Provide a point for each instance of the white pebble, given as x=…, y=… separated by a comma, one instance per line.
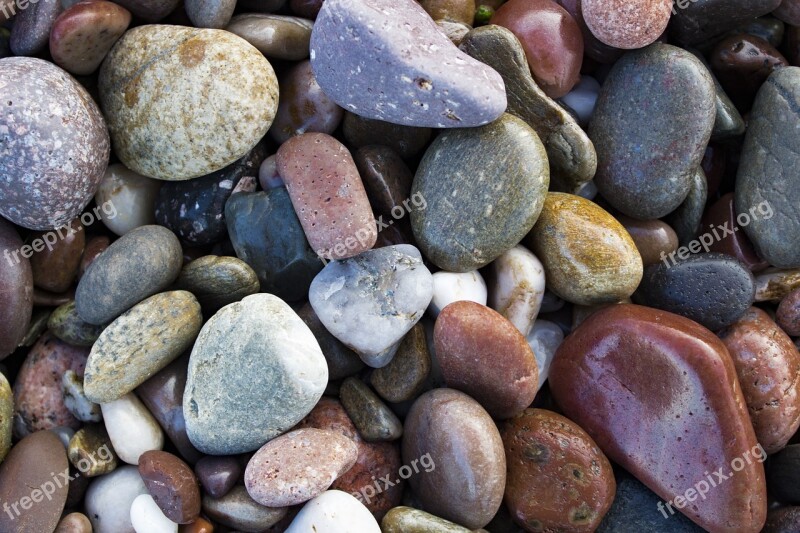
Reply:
x=109, y=499
x=544, y=339
x=131, y=427
x=583, y=97
x=334, y=511
x=449, y=287
x=147, y=517
x=517, y=287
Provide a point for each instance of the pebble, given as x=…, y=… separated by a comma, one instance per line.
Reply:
x=455, y=31
x=768, y=365
x=720, y=217
x=728, y=121
x=140, y=264
x=228, y=411
x=6, y=416
x=663, y=439
x=16, y=292
x=334, y=511
x=59, y=141
x=544, y=339
x=217, y=281
x=466, y=225
x=788, y=11
x=386, y=177
x=275, y=36
x=25, y=475
x=95, y=245
x=172, y=485
x=239, y=511
x=558, y=479
x=782, y=520
x=373, y=418
x=38, y=402
x=788, y=314
x=130, y=196
x=772, y=119
x=146, y=517
x=462, y=11
x=463, y=443
x=150, y=10
x=74, y=523
x=516, y=287
x=712, y=289
x=700, y=21
x=131, y=428
x=217, y=475
x=635, y=173
x=774, y=284
x=624, y=24
x=139, y=343
x=587, y=255
x=65, y=324
x=341, y=360
x=408, y=141
x=409, y=520
x=215, y=14
x=654, y=239
x=56, y=267
x=686, y=219
x=371, y=301
x=408, y=72
x=91, y=452
x=75, y=399
x=449, y=287
x=109, y=499
x=31, y=29
x=205, y=134
x=405, y=375
x=551, y=40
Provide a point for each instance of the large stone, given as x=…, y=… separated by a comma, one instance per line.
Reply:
x=16, y=291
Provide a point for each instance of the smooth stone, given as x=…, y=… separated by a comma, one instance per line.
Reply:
x=64, y=434
x=558, y=479
x=465, y=445
x=59, y=143
x=405, y=375
x=75, y=399
x=132, y=196
x=782, y=520
x=582, y=99
x=769, y=28
x=239, y=511
x=109, y=499
x=218, y=281
x=306, y=8
x=65, y=324
x=405, y=71
x=469, y=223
x=42, y=298
x=409, y=520
x=91, y=452
x=95, y=245
x=139, y=343
x=516, y=287
x=449, y=287
x=268, y=176
x=146, y=517
x=610, y=360
x=214, y=14
x=163, y=396
x=38, y=402
x=143, y=86
x=172, y=485
x=6, y=416
x=150, y=10
x=373, y=418
x=298, y=466
x=782, y=473
x=275, y=36
x=16, y=292
x=131, y=428
x=688, y=216
x=587, y=255
x=593, y=48
x=788, y=314
x=773, y=284
x=544, y=339
x=719, y=219
x=408, y=141
x=230, y=412
x=141, y=263
x=341, y=360
x=303, y=107
x=654, y=239
x=453, y=10
x=703, y=19
x=788, y=11
x=624, y=24
x=218, y=475
x=646, y=155
x=551, y=39
x=83, y=34
x=24, y=472
x=455, y=31
x=335, y=213
x=56, y=267
x=386, y=177
x=334, y=511
x=36, y=328
x=767, y=172
x=32, y=25
x=728, y=121
x=369, y=302
x=74, y=523
x=267, y=235
x=768, y=365
x=569, y=151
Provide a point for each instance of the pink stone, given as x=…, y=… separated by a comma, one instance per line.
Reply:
x=627, y=24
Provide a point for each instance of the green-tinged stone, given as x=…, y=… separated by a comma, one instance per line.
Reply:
x=91, y=452
x=404, y=377
x=66, y=324
x=409, y=520
x=6, y=416
x=217, y=281
x=373, y=418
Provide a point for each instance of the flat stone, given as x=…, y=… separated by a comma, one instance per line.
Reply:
x=334, y=510
x=373, y=418
x=624, y=24
x=172, y=485
x=275, y=36
x=228, y=411
x=16, y=292
x=408, y=72
x=469, y=223
x=75, y=399
x=210, y=13
x=218, y=474
x=238, y=510
x=409, y=520
x=109, y=499
x=404, y=377
x=131, y=428
x=218, y=281
x=516, y=287
x=91, y=452
x=130, y=198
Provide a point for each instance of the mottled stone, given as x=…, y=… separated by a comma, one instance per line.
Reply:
x=373, y=418
x=570, y=153
x=218, y=475
x=143, y=86
x=341, y=360
x=686, y=218
x=409, y=520
x=109, y=499
x=55, y=265
x=702, y=19
x=625, y=24
x=404, y=70
x=720, y=221
x=407, y=141
x=239, y=511
x=16, y=291
x=210, y=13
x=55, y=147
x=172, y=485
x=774, y=284
x=131, y=428
x=143, y=262
x=275, y=36
x=453, y=10
x=217, y=281
x=130, y=197
x=404, y=377
x=75, y=399
x=90, y=451
x=333, y=511
x=32, y=25
x=516, y=287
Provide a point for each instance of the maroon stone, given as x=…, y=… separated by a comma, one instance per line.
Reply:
x=172, y=485
x=719, y=220
x=788, y=314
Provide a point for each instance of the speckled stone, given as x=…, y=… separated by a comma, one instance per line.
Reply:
x=217, y=281
x=592, y=46
x=75, y=399
x=6, y=416
x=404, y=377
x=275, y=36
x=342, y=361
x=126, y=199
x=32, y=25
x=172, y=485
x=570, y=153
x=373, y=418
x=703, y=19
x=469, y=223
x=625, y=24
x=405, y=72
x=409, y=520
x=407, y=141
x=239, y=511
x=16, y=291
x=774, y=284
x=55, y=146
x=210, y=13
x=143, y=86
x=650, y=128
x=228, y=411
x=141, y=342
x=141, y=263
x=90, y=451
x=767, y=175
x=587, y=255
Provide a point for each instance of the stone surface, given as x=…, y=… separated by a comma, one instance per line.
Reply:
x=373, y=418
x=58, y=140
x=342, y=361
x=109, y=499
x=409, y=520
x=646, y=153
x=587, y=255
x=172, y=485
x=95, y=245
x=32, y=26
x=74, y=523
x=703, y=19
x=140, y=264
x=16, y=291
x=407, y=141
x=131, y=195
x=544, y=339
x=404, y=377
x=654, y=239
x=334, y=511
x=570, y=153
x=218, y=475
x=217, y=281
x=275, y=36
x=75, y=399
x=782, y=472
x=665, y=431
x=452, y=10
x=210, y=13
x=143, y=86
x=788, y=313
x=146, y=517
x=516, y=287
x=6, y=416
x=625, y=24
x=720, y=220
x=386, y=178
x=775, y=284
x=469, y=223
x=767, y=175
x=150, y=10
x=686, y=219
x=782, y=520
x=228, y=411
x=56, y=266
x=404, y=70
x=131, y=428
x=90, y=451
x=449, y=287
x=239, y=511
x=369, y=302
x=461, y=439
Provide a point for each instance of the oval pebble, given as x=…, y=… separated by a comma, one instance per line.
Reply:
x=334, y=511
x=172, y=485
x=146, y=517
x=131, y=428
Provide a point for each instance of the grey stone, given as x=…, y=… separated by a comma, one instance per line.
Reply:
x=75, y=399
x=686, y=219
x=700, y=20
x=239, y=511
x=373, y=418
x=31, y=30
x=210, y=13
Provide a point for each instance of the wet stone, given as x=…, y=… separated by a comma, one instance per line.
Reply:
x=75, y=399
x=404, y=377
x=275, y=36
x=218, y=475
x=90, y=451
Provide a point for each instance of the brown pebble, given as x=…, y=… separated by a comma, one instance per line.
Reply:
x=788, y=314
x=653, y=238
x=172, y=485
x=74, y=523
x=56, y=265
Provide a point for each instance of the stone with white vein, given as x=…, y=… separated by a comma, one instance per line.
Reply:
x=516, y=287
